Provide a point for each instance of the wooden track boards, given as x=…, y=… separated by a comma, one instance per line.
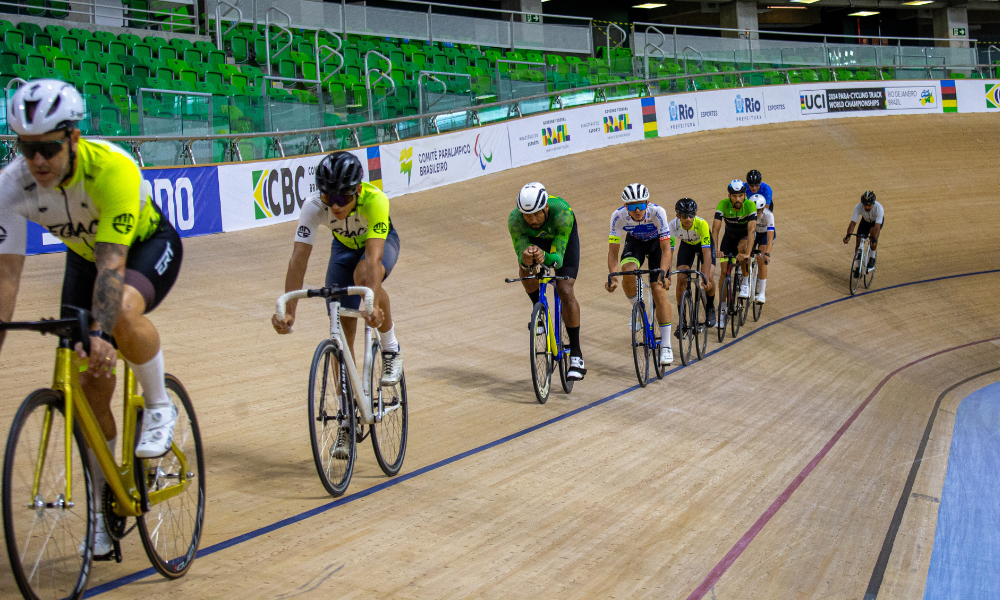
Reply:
x=642, y=495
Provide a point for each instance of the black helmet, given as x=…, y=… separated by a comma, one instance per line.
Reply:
x=753, y=177
x=339, y=173
x=686, y=206
x=868, y=197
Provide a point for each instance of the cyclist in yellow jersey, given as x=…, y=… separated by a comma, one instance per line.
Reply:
x=123, y=255
x=691, y=235
x=364, y=251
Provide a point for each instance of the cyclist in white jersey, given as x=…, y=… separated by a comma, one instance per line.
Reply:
x=764, y=241
x=869, y=216
x=647, y=237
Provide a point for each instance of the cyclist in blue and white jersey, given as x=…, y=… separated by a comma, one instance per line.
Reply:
x=756, y=185
x=763, y=242
x=647, y=237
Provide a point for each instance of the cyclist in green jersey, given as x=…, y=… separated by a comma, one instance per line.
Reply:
x=541, y=221
x=740, y=217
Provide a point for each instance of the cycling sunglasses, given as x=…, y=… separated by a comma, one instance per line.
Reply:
x=46, y=149
x=339, y=199
x=632, y=206
x=686, y=215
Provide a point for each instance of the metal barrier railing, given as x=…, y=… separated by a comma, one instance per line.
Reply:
x=232, y=140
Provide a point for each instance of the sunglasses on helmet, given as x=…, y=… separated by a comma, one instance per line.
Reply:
x=339, y=199
x=46, y=149
x=633, y=206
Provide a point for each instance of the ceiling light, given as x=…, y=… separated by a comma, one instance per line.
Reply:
x=795, y=7
x=649, y=5
x=805, y=1
x=918, y=2
x=864, y=13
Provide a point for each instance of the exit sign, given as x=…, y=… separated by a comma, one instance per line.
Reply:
x=957, y=31
x=538, y=19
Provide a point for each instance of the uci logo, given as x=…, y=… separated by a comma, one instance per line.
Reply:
x=380, y=228
x=680, y=112
x=123, y=223
x=812, y=101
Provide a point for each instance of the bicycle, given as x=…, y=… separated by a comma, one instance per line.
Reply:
x=642, y=322
x=690, y=325
x=44, y=526
x=758, y=307
x=334, y=403
x=545, y=348
x=861, y=261
x=729, y=289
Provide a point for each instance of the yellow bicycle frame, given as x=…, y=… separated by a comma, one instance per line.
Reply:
x=550, y=341
x=121, y=479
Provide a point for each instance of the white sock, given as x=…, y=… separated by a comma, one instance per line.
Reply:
x=633, y=299
x=873, y=254
x=97, y=476
x=150, y=377
x=388, y=340
x=761, y=284
x=665, y=332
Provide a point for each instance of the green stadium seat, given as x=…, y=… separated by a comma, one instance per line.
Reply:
x=142, y=50
x=55, y=58
x=13, y=36
x=129, y=39
x=240, y=48
x=51, y=73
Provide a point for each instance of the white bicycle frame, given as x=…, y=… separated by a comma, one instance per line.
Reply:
x=364, y=403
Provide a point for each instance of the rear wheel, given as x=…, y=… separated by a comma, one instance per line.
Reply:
x=855, y=275
x=567, y=384
x=687, y=327
x=42, y=527
x=700, y=326
x=541, y=360
x=734, y=301
x=331, y=406
x=389, y=432
x=640, y=349
x=171, y=530
x=869, y=274
x=656, y=343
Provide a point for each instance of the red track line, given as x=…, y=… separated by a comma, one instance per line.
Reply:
x=727, y=561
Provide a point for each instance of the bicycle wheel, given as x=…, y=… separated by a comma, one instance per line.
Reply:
x=686, y=327
x=43, y=529
x=700, y=327
x=869, y=273
x=541, y=360
x=855, y=275
x=171, y=530
x=734, y=302
x=640, y=349
x=567, y=384
x=389, y=432
x=722, y=313
x=331, y=403
x=752, y=281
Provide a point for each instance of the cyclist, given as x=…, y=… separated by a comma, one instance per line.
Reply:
x=542, y=221
x=647, y=237
x=123, y=256
x=756, y=185
x=363, y=252
x=872, y=220
x=740, y=217
x=763, y=242
x=695, y=236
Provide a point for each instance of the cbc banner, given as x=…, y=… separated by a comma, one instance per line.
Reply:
x=429, y=162
x=255, y=194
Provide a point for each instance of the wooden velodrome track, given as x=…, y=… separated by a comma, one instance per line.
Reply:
x=651, y=493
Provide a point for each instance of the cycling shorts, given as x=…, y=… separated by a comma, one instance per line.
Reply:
x=731, y=242
x=151, y=267
x=865, y=227
x=761, y=239
x=571, y=258
x=637, y=251
x=344, y=260
x=688, y=254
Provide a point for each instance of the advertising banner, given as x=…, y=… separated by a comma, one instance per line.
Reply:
x=429, y=162
x=254, y=194
x=863, y=98
x=609, y=124
x=187, y=197
x=975, y=95
x=534, y=139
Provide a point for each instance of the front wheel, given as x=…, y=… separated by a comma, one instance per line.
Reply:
x=42, y=527
x=722, y=312
x=331, y=408
x=640, y=349
x=390, y=430
x=541, y=359
x=171, y=530
x=735, y=308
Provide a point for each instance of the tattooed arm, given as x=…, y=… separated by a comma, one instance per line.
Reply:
x=10, y=279
x=107, y=303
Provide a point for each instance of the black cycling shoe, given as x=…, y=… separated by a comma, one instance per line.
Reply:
x=710, y=317
x=871, y=264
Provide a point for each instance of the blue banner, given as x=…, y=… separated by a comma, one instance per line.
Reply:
x=188, y=197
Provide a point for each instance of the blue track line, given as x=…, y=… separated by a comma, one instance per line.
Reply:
x=122, y=581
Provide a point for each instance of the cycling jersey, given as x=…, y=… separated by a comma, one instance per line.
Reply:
x=765, y=190
x=875, y=215
x=653, y=225
x=765, y=222
x=369, y=219
x=102, y=202
x=698, y=235
x=556, y=228
x=734, y=218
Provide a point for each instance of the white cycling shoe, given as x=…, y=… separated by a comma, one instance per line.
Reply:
x=576, y=370
x=745, y=290
x=392, y=367
x=157, y=432
x=341, y=450
x=760, y=298
x=666, y=355
x=103, y=544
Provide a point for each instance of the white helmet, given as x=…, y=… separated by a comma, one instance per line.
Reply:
x=635, y=192
x=44, y=105
x=759, y=200
x=532, y=198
